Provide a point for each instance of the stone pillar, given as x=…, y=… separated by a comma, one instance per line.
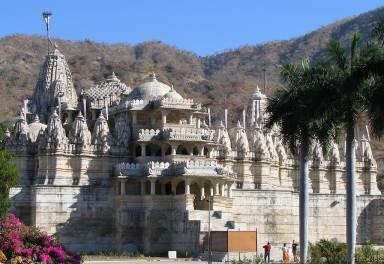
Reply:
x=142, y=145
x=211, y=193
x=173, y=188
x=201, y=150
x=153, y=186
x=198, y=122
x=187, y=186
x=190, y=119
x=142, y=187
x=217, y=189
x=122, y=187
x=174, y=148
x=202, y=193
x=163, y=117
x=229, y=190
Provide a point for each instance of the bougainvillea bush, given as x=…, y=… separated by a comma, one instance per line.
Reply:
x=25, y=244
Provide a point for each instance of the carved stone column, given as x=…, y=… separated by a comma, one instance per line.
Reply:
x=164, y=117
x=229, y=190
x=142, y=145
x=202, y=193
x=190, y=119
x=153, y=186
x=174, y=148
x=142, y=187
x=217, y=188
x=122, y=185
x=187, y=186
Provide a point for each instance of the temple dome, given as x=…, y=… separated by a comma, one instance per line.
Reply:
x=173, y=95
x=151, y=90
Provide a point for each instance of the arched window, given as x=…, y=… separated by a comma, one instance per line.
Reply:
x=182, y=150
x=195, y=151
x=180, y=187
x=138, y=151
x=168, y=188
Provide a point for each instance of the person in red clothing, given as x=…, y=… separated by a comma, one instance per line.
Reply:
x=267, y=251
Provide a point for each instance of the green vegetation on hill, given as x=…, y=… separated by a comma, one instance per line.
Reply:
x=224, y=78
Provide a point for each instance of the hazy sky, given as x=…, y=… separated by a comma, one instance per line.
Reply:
x=201, y=26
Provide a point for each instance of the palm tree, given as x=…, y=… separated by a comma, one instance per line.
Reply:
x=357, y=86
x=293, y=109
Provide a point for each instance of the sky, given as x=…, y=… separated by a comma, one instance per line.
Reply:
x=203, y=27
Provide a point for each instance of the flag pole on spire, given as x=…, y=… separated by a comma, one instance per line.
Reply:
x=47, y=15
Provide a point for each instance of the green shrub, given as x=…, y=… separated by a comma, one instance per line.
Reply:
x=328, y=252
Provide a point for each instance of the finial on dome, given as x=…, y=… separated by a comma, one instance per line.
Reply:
x=257, y=89
x=239, y=124
x=153, y=75
x=172, y=89
x=79, y=114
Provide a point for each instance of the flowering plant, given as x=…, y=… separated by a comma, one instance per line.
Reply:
x=18, y=241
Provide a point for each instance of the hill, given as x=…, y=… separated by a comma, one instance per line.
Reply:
x=221, y=80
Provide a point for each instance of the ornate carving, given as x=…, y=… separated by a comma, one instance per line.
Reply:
x=79, y=133
x=101, y=136
x=260, y=146
x=122, y=133
x=54, y=136
x=334, y=153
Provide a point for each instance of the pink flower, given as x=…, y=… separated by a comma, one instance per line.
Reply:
x=45, y=258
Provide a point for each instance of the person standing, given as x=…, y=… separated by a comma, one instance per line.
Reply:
x=294, y=250
x=267, y=251
x=285, y=253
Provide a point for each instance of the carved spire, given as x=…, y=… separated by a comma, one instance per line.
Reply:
x=79, y=133
x=334, y=153
x=54, y=136
x=54, y=85
x=260, y=146
x=20, y=131
x=101, y=136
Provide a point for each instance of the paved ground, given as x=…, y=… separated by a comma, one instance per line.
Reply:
x=152, y=261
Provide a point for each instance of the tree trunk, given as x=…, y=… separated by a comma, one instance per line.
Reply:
x=351, y=193
x=304, y=203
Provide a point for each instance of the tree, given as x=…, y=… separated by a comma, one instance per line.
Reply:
x=9, y=176
x=293, y=109
x=356, y=84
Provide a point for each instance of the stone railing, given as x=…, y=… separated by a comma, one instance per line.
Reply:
x=123, y=106
x=182, y=103
x=148, y=134
x=183, y=133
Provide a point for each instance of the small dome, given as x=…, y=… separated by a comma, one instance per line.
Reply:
x=173, y=95
x=151, y=90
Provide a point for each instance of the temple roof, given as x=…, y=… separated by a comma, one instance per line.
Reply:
x=151, y=90
x=111, y=86
x=55, y=80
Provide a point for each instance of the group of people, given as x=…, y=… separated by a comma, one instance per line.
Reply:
x=285, y=250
